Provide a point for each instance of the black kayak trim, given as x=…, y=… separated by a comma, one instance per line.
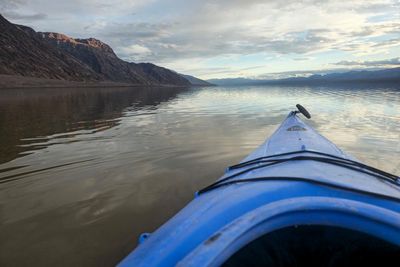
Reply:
x=297, y=179
x=356, y=163
x=334, y=160
x=341, y=163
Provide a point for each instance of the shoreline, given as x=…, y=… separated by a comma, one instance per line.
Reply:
x=24, y=82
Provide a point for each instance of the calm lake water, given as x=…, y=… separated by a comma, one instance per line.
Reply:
x=84, y=171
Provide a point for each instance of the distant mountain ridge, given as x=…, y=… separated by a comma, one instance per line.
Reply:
x=366, y=76
x=57, y=56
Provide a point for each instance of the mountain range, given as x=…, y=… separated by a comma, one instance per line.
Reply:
x=48, y=55
x=361, y=76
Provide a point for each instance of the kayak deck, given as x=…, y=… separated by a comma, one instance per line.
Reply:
x=221, y=221
x=294, y=136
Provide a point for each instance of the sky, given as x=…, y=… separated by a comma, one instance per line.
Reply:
x=229, y=38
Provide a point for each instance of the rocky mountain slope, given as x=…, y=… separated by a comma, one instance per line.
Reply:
x=102, y=59
x=22, y=53
x=57, y=56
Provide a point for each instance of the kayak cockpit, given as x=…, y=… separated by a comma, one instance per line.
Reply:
x=315, y=245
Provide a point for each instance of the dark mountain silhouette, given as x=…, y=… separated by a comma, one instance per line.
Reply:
x=362, y=76
x=49, y=55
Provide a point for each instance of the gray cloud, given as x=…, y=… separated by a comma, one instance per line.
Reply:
x=371, y=63
x=25, y=17
x=206, y=35
x=143, y=31
x=171, y=40
x=8, y=8
x=222, y=70
x=378, y=29
x=375, y=8
x=388, y=43
x=302, y=58
x=10, y=4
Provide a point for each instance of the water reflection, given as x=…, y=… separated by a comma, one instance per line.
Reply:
x=85, y=171
x=31, y=118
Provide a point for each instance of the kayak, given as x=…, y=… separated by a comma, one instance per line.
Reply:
x=297, y=200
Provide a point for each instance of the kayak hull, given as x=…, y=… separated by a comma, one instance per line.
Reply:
x=219, y=222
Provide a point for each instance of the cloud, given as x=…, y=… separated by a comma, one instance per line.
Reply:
x=376, y=7
x=10, y=4
x=142, y=31
x=68, y=14
x=171, y=40
x=377, y=29
x=224, y=28
x=388, y=43
x=223, y=70
x=371, y=63
x=136, y=51
x=303, y=58
x=25, y=17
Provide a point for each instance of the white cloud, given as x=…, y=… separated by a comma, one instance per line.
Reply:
x=134, y=52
